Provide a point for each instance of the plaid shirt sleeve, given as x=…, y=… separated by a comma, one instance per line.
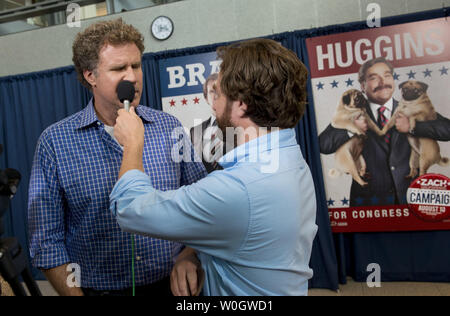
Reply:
x=192, y=168
x=46, y=210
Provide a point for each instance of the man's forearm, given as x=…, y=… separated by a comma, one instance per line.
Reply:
x=331, y=139
x=58, y=278
x=132, y=159
x=438, y=129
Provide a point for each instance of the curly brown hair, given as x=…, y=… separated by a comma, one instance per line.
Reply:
x=87, y=44
x=266, y=76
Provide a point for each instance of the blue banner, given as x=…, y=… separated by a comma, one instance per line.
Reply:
x=185, y=75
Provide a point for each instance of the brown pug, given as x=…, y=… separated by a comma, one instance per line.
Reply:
x=352, y=105
x=349, y=159
x=416, y=105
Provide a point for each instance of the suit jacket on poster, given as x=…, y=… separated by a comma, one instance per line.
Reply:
x=199, y=130
x=387, y=164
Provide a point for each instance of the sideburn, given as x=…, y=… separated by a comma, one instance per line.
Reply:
x=225, y=121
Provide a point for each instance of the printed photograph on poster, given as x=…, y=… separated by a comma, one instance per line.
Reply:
x=187, y=93
x=381, y=99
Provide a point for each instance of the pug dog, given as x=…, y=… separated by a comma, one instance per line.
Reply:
x=349, y=159
x=416, y=105
x=351, y=106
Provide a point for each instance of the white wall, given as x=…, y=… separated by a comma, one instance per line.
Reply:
x=199, y=22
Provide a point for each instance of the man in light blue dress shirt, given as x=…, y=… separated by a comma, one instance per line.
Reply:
x=251, y=225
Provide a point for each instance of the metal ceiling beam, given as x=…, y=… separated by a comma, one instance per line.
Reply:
x=14, y=3
x=40, y=8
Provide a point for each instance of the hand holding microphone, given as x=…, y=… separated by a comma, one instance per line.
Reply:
x=129, y=129
x=125, y=93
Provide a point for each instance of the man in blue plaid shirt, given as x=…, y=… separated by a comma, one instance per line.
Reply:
x=76, y=165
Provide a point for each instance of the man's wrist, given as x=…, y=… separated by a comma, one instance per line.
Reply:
x=186, y=252
x=133, y=145
x=132, y=158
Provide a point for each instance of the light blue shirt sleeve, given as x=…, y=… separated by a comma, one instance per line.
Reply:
x=211, y=215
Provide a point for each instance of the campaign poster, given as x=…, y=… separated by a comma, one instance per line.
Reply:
x=187, y=92
x=381, y=97
x=182, y=80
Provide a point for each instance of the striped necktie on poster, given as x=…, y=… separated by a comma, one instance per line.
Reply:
x=382, y=121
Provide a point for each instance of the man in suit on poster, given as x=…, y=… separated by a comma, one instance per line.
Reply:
x=204, y=136
x=387, y=158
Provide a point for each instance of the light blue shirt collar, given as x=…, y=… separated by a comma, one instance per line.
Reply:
x=257, y=149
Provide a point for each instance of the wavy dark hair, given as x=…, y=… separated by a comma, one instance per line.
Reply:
x=266, y=76
x=87, y=44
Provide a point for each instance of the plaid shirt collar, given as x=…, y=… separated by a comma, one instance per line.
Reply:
x=88, y=115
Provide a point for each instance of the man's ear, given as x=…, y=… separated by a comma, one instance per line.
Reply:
x=363, y=87
x=242, y=108
x=90, y=77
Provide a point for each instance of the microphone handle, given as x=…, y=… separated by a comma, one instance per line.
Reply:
x=126, y=104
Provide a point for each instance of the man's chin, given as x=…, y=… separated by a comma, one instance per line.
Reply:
x=386, y=94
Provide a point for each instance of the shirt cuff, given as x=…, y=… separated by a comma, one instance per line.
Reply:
x=128, y=180
x=51, y=257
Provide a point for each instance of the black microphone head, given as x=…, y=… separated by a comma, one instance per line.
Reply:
x=125, y=91
x=1, y=148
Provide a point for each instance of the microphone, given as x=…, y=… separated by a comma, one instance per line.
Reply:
x=125, y=92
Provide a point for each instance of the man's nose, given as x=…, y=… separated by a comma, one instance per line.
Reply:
x=130, y=75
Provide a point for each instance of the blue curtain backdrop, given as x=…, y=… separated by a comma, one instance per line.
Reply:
x=31, y=102
x=28, y=104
